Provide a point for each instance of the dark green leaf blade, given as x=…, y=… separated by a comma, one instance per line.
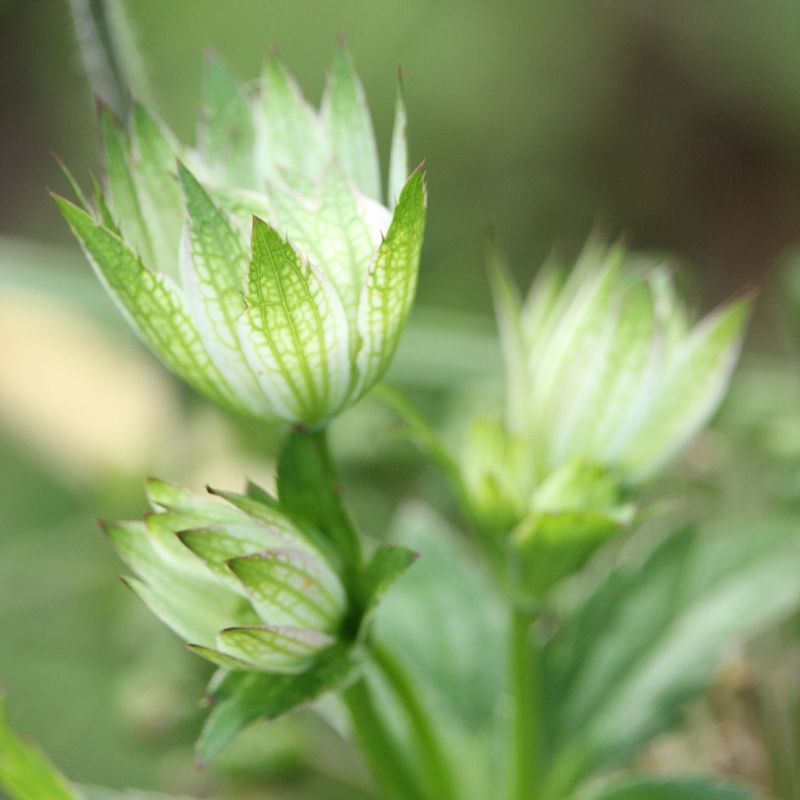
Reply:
x=242, y=697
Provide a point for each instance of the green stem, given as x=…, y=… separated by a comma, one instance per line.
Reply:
x=526, y=694
x=384, y=757
x=432, y=759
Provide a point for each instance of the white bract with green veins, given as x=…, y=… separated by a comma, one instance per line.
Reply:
x=607, y=382
x=239, y=582
x=265, y=266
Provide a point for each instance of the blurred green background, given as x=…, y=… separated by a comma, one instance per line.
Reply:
x=675, y=124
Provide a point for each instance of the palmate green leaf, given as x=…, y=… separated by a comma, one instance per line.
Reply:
x=389, y=288
x=294, y=332
x=649, y=637
x=346, y=116
x=25, y=773
x=151, y=303
x=673, y=789
x=242, y=697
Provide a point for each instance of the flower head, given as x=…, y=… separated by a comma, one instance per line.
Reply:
x=607, y=382
x=238, y=581
x=244, y=583
x=265, y=266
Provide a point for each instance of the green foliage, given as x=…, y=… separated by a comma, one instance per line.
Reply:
x=25, y=773
x=649, y=635
x=686, y=789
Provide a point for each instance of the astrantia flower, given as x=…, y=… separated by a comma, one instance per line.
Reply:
x=238, y=581
x=265, y=267
x=607, y=382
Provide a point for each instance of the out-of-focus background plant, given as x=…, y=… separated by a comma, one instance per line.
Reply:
x=675, y=123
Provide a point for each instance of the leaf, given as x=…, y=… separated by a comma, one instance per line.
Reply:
x=387, y=564
x=554, y=545
x=673, y=789
x=102, y=793
x=344, y=109
x=25, y=773
x=445, y=624
x=649, y=637
x=294, y=332
x=388, y=291
x=242, y=697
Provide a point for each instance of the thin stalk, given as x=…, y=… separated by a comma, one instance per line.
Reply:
x=526, y=771
x=430, y=753
x=385, y=759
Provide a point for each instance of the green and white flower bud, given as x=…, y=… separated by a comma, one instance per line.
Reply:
x=607, y=382
x=238, y=581
x=265, y=267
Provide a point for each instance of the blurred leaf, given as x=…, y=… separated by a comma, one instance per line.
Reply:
x=102, y=793
x=385, y=567
x=25, y=773
x=649, y=637
x=242, y=697
x=675, y=789
x=445, y=624
x=553, y=545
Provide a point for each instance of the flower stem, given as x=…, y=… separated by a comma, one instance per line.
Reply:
x=430, y=753
x=388, y=763
x=526, y=693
